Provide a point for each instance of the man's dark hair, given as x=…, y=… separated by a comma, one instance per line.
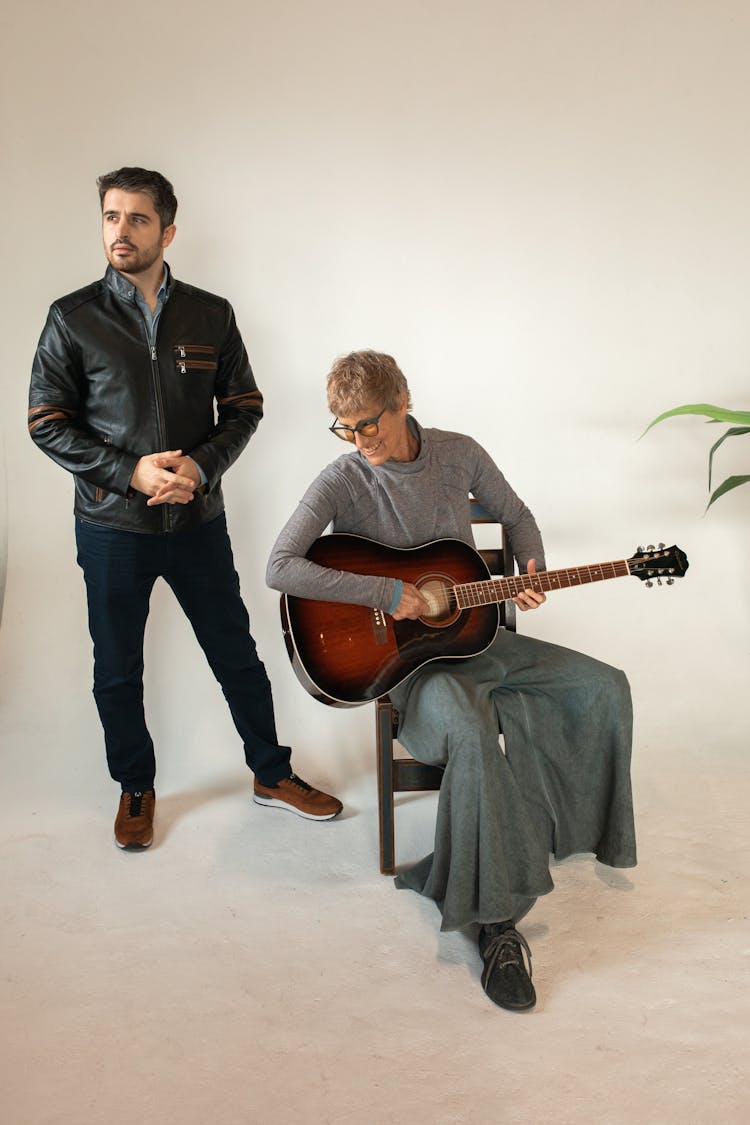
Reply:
x=150, y=183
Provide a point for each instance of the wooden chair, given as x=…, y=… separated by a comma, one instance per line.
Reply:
x=406, y=775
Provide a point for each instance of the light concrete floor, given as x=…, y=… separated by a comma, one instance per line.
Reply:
x=253, y=967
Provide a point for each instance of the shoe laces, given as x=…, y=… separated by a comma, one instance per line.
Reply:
x=300, y=783
x=135, y=807
x=504, y=948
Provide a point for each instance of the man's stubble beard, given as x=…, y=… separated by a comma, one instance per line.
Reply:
x=137, y=262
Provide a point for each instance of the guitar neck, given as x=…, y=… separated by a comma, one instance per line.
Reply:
x=472, y=594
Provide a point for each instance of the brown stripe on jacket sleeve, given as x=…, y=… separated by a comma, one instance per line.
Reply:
x=250, y=398
x=39, y=414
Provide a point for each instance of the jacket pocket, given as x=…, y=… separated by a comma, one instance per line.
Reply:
x=194, y=357
x=100, y=493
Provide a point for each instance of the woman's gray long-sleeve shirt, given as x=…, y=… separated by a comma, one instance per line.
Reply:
x=401, y=504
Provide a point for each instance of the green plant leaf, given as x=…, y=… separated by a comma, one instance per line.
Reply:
x=713, y=413
x=727, y=486
x=733, y=432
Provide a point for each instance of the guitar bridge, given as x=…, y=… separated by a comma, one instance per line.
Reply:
x=379, y=626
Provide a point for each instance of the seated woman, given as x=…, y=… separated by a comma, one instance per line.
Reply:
x=562, y=783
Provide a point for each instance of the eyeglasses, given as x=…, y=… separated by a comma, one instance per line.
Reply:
x=367, y=427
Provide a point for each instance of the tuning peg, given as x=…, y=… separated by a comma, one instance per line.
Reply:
x=662, y=546
x=649, y=583
x=658, y=581
x=670, y=582
x=639, y=550
x=650, y=547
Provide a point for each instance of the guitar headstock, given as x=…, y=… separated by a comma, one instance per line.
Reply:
x=656, y=563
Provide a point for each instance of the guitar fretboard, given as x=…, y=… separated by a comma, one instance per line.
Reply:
x=471, y=594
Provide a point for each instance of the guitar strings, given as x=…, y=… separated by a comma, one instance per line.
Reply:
x=495, y=590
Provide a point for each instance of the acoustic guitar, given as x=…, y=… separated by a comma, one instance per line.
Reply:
x=345, y=655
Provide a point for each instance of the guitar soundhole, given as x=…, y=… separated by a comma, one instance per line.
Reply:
x=438, y=591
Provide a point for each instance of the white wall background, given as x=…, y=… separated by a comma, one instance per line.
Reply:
x=541, y=209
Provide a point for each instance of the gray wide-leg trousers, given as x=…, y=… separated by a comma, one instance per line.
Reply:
x=562, y=785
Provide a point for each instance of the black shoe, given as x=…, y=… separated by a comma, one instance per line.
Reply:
x=506, y=979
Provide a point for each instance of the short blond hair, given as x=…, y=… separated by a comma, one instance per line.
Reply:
x=360, y=379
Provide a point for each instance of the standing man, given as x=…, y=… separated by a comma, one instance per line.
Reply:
x=141, y=387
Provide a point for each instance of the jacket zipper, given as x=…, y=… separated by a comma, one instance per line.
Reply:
x=186, y=357
x=185, y=365
x=166, y=515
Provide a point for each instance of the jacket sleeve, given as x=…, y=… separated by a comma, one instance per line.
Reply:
x=56, y=396
x=239, y=407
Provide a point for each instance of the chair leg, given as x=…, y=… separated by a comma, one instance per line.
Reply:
x=384, y=723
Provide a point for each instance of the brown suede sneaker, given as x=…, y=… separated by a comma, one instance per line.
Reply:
x=297, y=796
x=134, y=824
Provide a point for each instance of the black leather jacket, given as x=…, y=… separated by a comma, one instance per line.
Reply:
x=101, y=397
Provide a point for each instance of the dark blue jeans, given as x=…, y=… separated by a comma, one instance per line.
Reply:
x=120, y=569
